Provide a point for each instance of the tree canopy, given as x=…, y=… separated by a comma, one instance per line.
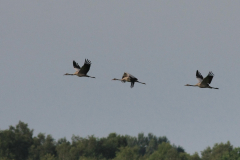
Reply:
x=18, y=143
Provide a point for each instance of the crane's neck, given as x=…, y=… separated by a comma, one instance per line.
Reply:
x=70, y=74
x=191, y=85
x=117, y=79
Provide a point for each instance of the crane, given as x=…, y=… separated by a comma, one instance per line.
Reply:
x=203, y=82
x=81, y=71
x=128, y=78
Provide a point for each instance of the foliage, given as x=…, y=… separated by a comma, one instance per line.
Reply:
x=127, y=153
x=18, y=143
x=221, y=152
x=43, y=146
x=15, y=141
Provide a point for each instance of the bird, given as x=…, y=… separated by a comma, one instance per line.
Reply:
x=203, y=82
x=81, y=71
x=128, y=78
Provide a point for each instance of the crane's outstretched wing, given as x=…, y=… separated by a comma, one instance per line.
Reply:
x=125, y=74
x=125, y=77
x=85, y=68
x=76, y=66
x=132, y=77
x=199, y=76
x=209, y=78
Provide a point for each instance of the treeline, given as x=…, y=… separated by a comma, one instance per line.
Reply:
x=18, y=143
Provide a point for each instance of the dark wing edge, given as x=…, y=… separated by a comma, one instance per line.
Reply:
x=86, y=67
x=199, y=75
x=75, y=65
x=210, y=77
x=133, y=79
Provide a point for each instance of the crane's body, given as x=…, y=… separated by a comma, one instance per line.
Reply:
x=203, y=82
x=128, y=78
x=81, y=71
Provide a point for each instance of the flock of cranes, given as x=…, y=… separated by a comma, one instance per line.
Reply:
x=82, y=72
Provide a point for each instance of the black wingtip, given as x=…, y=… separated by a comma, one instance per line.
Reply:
x=87, y=61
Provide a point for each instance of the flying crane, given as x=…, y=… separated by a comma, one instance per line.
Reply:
x=203, y=82
x=128, y=78
x=81, y=71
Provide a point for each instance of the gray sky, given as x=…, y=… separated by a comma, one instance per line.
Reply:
x=162, y=43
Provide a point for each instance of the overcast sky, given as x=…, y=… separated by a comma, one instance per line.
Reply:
x=162, y=43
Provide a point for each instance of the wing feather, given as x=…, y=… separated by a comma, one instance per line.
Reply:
x=209, y=78
x=86, y=67
x=199, y=76
x=76, y=66
x=132, y=77
x=125, y=74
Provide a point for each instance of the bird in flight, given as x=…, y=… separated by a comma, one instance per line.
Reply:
x=128, y=78
x=203, y=82
x=81, y=71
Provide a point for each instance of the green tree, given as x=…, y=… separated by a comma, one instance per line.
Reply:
x=195, y=156
x=206, y=154
x=63, y=149
x=142, y=143
x=84, y=147
x=218, y=152
x=166, y=151
x=48, y=157
x=109, y=146
x=235, y=154
x=127, y=153
x=146, y=144
x=15, y=142
x=161, y=152
x=131, y=141
x=42, y=146
x=88, y=158
x=221, y=149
